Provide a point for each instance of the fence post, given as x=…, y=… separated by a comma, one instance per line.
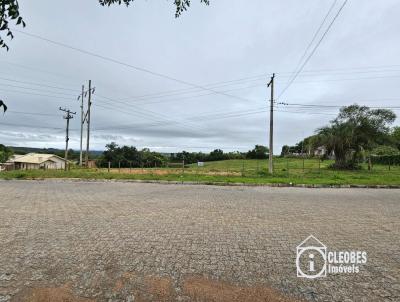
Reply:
x=130, y=167
x=319, y=165
x=369, y=163
x=389, y=164
x=183, y=166
x=303, y=164
x=287, y=167
x=119, y=166
x=242, y=168
x=109, y=164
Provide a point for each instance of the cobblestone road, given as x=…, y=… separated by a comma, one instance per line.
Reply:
x=103, y=241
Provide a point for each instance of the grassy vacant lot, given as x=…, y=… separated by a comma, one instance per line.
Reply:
x=235, y=171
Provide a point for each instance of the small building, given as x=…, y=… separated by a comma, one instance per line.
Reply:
x=320, y=151
x=33, y=161
x=91, y=164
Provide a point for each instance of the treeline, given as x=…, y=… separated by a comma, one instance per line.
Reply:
x=129, y=156
x=358, y=134
x=393, y=160
x=259, y=152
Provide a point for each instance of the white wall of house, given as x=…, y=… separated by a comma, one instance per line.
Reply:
x=51, y=164
x=55, y=163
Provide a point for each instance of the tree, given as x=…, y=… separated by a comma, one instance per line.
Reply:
x=285, y=150
x=215, y=155
x=129, y=156
x=259, y=152
x=385, y=151
x=3, y=105
x=395, y=136
x=181, y=5
x=9, y=11
x=355, y=130
x=5, y=153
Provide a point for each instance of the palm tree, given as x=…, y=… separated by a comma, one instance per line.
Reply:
x=356, y=129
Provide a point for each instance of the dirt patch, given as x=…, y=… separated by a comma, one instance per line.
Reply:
x=205, y=290
x=56, y=294
x=171, y=172
x=146, y=171
x=160, y=288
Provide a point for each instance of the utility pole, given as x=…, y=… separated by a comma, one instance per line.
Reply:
x=68, y=116
x=81, y=97
x=271, y=127
x=87, y=118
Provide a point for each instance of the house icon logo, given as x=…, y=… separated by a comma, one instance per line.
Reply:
x=311, y=260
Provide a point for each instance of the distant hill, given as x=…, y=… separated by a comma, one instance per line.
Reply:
x=60, y=152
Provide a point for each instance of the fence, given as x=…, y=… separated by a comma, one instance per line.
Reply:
x=283, y=167
x=390, y=160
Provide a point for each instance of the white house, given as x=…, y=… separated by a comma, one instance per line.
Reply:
x=36, y=161
x=320, y=151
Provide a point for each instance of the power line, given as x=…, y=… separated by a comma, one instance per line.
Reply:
x=31, y=113
x=34, y=89
x=36, y=94
x=157, y=74
x=66, y=98
x=333, y=106
x=348, y=79
x=314, y=49
x=30, y=126
x=145, y=111
x=232, y=82
x=37, y=84
x=316, y=34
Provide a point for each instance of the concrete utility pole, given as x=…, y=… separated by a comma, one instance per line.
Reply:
x=271, y=127
x=81, y=98
x=87, y=118
x=67, y=117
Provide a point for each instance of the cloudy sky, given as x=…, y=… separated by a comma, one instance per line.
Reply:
x=197, y=82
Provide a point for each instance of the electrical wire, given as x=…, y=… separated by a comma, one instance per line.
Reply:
x=314, y=50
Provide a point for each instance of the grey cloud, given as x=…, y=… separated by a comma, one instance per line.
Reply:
x=226, y=41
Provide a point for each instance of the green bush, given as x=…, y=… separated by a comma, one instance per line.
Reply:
x=386, y=159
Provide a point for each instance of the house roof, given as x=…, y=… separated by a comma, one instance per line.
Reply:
x=33, y=158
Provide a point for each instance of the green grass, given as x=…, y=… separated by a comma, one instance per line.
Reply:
x=236, y=171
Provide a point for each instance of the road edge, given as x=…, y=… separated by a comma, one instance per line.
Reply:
x=210, y=183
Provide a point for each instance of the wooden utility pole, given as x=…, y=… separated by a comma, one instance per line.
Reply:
x=81, y=97
x=68, y=116
x=271, y=126
x=87, y=118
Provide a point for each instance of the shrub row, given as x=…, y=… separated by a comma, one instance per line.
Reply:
x=386, y=159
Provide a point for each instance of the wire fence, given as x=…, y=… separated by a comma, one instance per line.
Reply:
x=283, y=167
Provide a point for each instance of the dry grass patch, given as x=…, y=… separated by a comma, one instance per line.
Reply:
x=205, y=290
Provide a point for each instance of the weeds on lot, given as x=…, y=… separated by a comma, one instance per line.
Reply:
x=296, y=171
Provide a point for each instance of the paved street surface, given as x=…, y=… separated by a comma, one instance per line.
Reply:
x=114, y=241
